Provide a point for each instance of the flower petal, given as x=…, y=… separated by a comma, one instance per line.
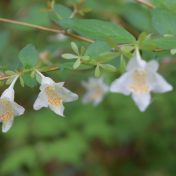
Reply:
x=19, y=110
x=58, y=110
x=7, y=125
x=159, y=84
x=152, y=66
x=142, y=101
x=41, y=101
x=120, y=85
x=66, y=95
x=9, y=93
x=136, y=61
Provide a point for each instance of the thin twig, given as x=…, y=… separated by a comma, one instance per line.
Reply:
x=74, y=36
x=6, y=77
x=147, y=4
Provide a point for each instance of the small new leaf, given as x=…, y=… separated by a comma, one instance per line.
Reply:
x=28, y=56
x=75, y=48
x=69, y=56
x=97, y=71
x=77, y=64
x=109, y=67
x=21, y=81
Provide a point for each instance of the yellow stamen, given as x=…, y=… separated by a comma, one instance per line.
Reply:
x=53, y=98
x=139, y=83
x=6, y=110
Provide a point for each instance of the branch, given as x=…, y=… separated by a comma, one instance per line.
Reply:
x=147, y=4
x=69, y=34
x=5, y=77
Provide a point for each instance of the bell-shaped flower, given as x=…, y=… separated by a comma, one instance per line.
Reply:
x=53, y=95
x=8, y=107
x=96, y=90
x=139, y=80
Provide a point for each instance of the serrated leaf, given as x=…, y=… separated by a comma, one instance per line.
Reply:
x=99, y=30
x=28, y=56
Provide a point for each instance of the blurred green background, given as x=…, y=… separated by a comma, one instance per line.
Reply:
x=112, y=139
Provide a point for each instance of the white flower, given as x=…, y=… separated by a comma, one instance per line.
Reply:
x=8, y=107
x=96, y=89
x=140, y=79
x=53, y=95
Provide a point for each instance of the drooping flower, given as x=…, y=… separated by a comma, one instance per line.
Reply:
x=53, y=95
x=8, y=107
x=96, y=90
x=139, y=80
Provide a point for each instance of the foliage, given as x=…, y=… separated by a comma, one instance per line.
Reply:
x=96, y=38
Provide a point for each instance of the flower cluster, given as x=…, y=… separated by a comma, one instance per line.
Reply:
x=139, y=80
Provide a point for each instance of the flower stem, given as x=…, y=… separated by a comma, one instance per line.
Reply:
x=61, y=31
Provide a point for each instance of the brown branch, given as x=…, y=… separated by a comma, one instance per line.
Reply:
x=147, y=4
x=71, y=35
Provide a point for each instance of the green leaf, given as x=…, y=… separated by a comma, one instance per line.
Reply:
x=4, y=39
x=173, y=51
x=77, y=64
x=29, y=81
x=29, y=56
x=60, y=12
x=138, y=16
x=97, y=71
x=69, y=56
x=122, y=64
x=21, y=81
x=97, y=48
x=105, y=57
x=164, y=21
x=97, y=29
x=75, y=48
x=109, y=67
x=162, y=43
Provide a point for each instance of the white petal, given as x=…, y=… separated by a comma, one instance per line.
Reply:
x=120, y=85
x=44, y=79
x=142, y=101
x=60, y=84
x=159, y=84
x=7, y=125
x=66, y=95
x=136, y=61
x=9, y=94
x=58, y=110
x=152, y=66
x=98, y=100
x=19, y=110
x=86, y=98
x=41, y=101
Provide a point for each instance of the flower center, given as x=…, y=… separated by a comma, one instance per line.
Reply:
x=97, y=93
x=139, y=83
x=53, y=98
x=6, y=110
